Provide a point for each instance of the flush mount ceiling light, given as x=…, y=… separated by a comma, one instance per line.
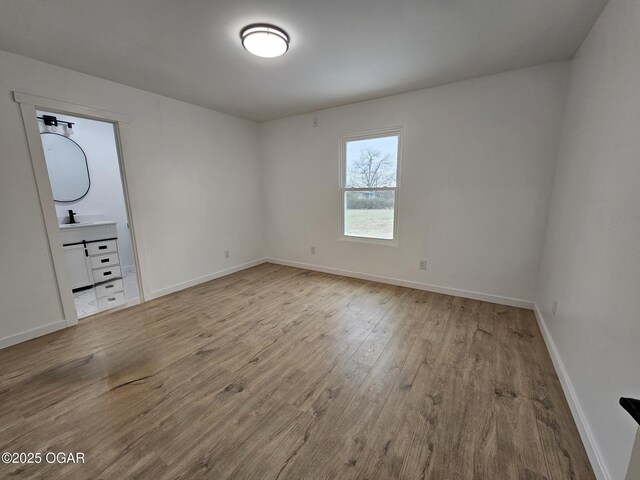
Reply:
x=264, y=40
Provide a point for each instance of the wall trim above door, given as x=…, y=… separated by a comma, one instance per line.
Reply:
x=70, y=108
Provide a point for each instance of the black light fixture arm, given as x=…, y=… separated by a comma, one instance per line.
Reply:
x=52, y=121
x=632, y=406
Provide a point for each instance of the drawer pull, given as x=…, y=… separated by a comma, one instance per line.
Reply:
x=102, y=247
x=107, y=273
x=111, y=299
x=105, y=260
x=109, y=286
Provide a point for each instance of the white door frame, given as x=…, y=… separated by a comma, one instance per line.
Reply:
x=29, y=104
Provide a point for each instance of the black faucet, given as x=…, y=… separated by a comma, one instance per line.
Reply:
x=72, y=216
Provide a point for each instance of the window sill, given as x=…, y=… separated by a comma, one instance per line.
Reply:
x=373, y=241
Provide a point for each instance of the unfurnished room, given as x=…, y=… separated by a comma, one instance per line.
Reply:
x=320, y=240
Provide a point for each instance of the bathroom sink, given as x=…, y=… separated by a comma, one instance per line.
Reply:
x=86, y=224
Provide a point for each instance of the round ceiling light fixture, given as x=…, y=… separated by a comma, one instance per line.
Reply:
x=264, y=40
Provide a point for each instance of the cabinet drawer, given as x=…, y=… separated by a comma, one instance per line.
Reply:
x=111, y=301
x=104, y=274
x=106, y=246
x=107, y=260
x=109, y=288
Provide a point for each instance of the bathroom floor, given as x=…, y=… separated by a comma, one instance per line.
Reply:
x=87, y=303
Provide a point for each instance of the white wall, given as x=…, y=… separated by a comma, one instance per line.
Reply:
x=591, y=261
x=194, y=179
x=105, y=197
x=476, y=177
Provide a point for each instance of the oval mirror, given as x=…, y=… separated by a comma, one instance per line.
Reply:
x=67, y=166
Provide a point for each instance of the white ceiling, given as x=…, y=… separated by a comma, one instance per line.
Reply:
x=341, y=50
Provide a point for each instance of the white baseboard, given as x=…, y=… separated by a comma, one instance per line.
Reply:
x=31, y=334
x=590, y=445
x=485, y=297
x=206, y=278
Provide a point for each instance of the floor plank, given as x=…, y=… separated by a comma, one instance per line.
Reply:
x=281, y=373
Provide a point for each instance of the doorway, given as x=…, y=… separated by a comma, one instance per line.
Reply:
x=76, y=154
x=86, y=182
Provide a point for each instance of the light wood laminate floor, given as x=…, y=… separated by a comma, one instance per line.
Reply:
x=282, y=373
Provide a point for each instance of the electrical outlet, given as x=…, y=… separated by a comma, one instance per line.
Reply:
x=313, y=250
x=554, y=308
x=227, y=254
x=315, y=122
x=423, y=265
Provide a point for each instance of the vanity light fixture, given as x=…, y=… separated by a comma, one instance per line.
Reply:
x=264, y=40
x=51, y=124
x=51, y=121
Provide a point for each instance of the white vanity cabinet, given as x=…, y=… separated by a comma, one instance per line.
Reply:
x=91, y=251
x=80, y=274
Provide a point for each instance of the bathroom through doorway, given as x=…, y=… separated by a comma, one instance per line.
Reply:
x=85, y=176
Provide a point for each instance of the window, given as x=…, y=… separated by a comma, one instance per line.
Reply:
x=370, y=185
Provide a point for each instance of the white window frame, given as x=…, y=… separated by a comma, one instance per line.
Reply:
x=386, y=132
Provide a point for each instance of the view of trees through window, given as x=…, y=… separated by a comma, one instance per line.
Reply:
x=370, y=188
